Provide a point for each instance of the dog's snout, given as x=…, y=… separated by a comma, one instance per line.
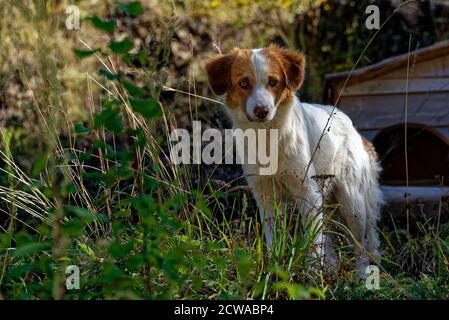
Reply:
x=261, y=112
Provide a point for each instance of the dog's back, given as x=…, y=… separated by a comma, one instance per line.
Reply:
x=342, y=152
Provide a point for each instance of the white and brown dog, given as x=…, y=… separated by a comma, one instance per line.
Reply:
x=313, y=140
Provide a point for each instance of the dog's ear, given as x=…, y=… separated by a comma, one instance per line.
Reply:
x=293, y=65
x=219, y=73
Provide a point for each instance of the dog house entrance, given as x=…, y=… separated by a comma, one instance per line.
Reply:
x=427, y=155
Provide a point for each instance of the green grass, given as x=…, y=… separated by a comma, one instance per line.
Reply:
x=95, y=190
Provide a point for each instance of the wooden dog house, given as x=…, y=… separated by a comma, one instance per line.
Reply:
x=379, y=98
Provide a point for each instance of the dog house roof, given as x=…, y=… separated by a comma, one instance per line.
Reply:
x=373, y=71
x=374, y=97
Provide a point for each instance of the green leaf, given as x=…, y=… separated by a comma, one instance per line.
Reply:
x=124, y=213
x=133, y=8
x=81, y=54
x=87, y=250
x=111, y=102
x=118, y=250
x=94, y=176
x=107, y=74
x=120, y=47
x=136, y=261
x=138, y=59
x=5, y=241
x=110, y=118
x=79, y=212
x=20, y=270
x=84, y=214
x=133, y=89
x=85, y=156
x=148, y=108
x=73, y=228
x=108, y=26
x=140, y=138
x=80, y=129
x=71, y=188
x=31, y=248
x=39, y=165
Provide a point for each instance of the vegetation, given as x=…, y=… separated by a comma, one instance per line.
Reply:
x=85, y=177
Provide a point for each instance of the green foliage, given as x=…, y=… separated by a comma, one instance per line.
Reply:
x=108, y=26
x=120, y=47
x=132, y=89
x=80, y=129
x=81, y=54
x=39, y=165
x=148, y=108
x=101, y=195
x=108, y=74
x=133, y=8
x=111, y=118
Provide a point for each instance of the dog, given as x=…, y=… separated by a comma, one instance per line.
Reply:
x=313, y=140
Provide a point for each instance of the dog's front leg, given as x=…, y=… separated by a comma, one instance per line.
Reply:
x=267, y=213
x=310, y=202
x=312, y=221
x=267, y=194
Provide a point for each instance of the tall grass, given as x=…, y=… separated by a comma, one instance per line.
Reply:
x=102, y=194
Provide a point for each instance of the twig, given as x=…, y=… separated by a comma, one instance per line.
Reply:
x=407, y=209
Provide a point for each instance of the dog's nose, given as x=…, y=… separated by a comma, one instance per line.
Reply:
x=261, y=112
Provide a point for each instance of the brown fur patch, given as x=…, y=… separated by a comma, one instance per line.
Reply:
x=292, y=63
x=369, y=147
x=218, y=70
x=241, y=70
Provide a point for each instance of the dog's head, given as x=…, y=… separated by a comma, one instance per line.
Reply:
x=257, y=82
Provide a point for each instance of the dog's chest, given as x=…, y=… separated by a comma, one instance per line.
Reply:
x=290, y=155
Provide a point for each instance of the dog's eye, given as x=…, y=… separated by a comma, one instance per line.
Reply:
x=272, y=82
x=243, y=83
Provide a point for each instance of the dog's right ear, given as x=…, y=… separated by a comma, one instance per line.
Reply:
x=219, y=73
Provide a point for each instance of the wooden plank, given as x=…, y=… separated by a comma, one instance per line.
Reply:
x=397, y=193
x=428, y=197
x=397, y=86
x=382, y=111
x=435, y=68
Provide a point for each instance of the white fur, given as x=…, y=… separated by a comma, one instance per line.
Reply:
x=259, y=65
x=260, y=95
x=340, y=153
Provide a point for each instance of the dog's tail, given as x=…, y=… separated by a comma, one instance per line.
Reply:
x=373, y=201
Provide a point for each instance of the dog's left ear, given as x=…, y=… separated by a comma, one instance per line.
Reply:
x=219, y=73
x=293, y=65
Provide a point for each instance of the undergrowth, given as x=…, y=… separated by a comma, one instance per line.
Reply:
x=102, y=195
